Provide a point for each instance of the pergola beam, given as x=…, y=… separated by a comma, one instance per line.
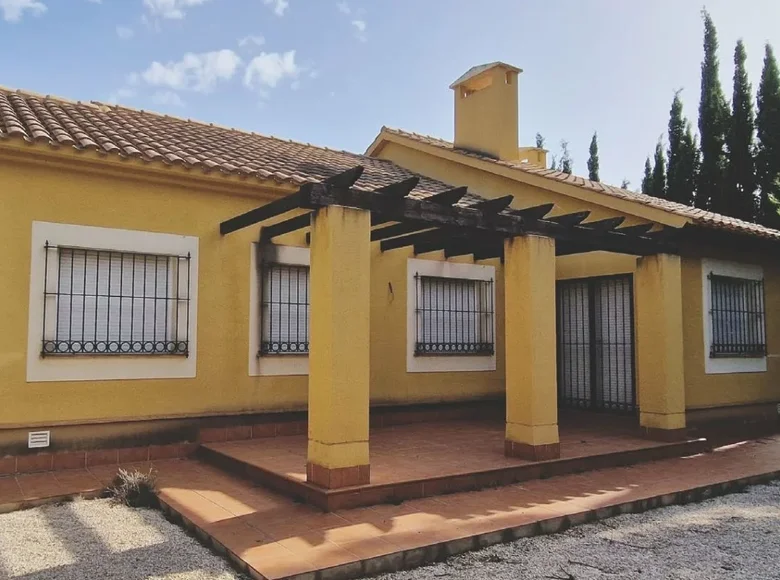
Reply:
x=536, y=212
x=569, y=219
x=346, y=178
x=449, y=197
x=637, y=230
x=496, y=205
x=261, y=213
x=285, y=227
x=396, y=230
x=605, y=224
x=437, y=237
x=400, y=188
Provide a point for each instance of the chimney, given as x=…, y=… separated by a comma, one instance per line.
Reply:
x=486, y=117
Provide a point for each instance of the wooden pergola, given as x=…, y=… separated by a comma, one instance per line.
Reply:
x=342, y=217
x=438, y=222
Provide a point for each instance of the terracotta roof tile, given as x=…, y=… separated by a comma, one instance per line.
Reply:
x=697, y=216
x=170, y=140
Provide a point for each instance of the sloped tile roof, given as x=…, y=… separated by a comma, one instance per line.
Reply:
x=129, y=133
x=697, y=216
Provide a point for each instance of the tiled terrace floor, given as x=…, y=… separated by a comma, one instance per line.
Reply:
x=422, y=450
x=278, y=538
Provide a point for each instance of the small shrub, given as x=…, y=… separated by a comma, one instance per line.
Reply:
x=135, y=489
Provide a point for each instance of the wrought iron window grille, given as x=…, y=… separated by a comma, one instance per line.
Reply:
x=454, y=316
x=285, y=309
x=107, y=302
x=737, y=315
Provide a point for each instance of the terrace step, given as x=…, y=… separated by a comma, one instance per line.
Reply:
x=232, y=458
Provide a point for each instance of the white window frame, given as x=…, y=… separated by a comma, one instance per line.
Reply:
x=721, y=364
x=272, y=364
x=100, y=367
x=453, y=362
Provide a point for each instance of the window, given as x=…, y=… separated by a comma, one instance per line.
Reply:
x=454, y=316
x=737, y=314
x=104, y=302
x=285, y=309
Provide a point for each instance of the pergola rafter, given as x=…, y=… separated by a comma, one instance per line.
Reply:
x=439, y=222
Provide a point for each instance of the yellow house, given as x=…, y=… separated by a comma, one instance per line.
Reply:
x=167, y=282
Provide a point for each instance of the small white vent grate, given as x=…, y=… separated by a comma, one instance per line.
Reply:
x=37, y=439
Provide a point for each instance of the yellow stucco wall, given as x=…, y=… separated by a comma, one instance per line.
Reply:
x=59, y=190
x=715, y=390
x=701, y=390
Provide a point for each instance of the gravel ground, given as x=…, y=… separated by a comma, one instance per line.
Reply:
x=86, y=540
x=735, y=536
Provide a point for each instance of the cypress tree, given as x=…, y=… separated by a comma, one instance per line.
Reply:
x=713, y=123
x=741, y=179
x=593, y=160
x=658, y=183
x=688, y=171
x=683, y=156
x=566, y=162
x=768, y=129
x=647, y=179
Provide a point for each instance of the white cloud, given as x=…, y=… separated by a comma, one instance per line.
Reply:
x=124, y=32
x=196, y=72
x=168, y=98
x=13, y=10
x=279, y=6
x=171, y=8
x=343, y=8
x=122, y=94
x=252, y=40
x=268, y=69
x=360, y=27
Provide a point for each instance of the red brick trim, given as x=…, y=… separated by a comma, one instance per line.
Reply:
x=63, y=460
x=665, y=435
x=532, y=452
x=338, y=477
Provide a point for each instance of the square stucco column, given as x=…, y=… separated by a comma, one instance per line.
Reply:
x=339, y=348
x=531, y=375
x=659, y=334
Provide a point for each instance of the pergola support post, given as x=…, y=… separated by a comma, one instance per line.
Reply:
x=531, y=375
x=339, y=351
x=659, y=337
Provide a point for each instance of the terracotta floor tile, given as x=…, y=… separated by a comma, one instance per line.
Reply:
x=369, y=547
x=39, y=486
x=9, y=490
x=275, y=561
x=77, y=481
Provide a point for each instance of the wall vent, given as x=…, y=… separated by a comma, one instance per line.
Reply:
x=38, y=439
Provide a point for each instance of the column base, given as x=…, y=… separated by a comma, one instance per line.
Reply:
x=338, y=477
x=665, y=435
x=532, y=452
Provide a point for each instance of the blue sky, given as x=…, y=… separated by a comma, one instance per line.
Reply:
x=332, y=72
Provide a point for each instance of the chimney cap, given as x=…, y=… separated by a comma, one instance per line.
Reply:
x=479, y=69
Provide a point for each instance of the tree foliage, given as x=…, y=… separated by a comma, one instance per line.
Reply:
x=566, y=162
x=739, y=199
x=768, y=131
x=593, y=159
x=713, y=125
x=683, y=156
x=647, y=179
x=658, y=182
